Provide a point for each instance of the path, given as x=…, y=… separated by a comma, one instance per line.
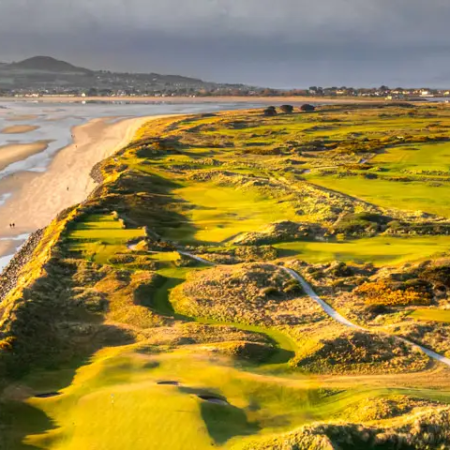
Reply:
x=336, y=316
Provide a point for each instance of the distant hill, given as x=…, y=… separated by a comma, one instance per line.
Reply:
x=47, y=64
x=45, y=74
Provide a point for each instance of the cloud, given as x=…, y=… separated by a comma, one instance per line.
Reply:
x=190, y=36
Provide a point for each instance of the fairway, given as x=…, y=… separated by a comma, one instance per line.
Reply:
x=220, y=213
x=378, y=250
x=101, y=237
x=431, y=315
x=419, y=157
x=412, y=196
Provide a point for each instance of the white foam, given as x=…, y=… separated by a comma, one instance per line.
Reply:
x=4, y=261
x=4, y=198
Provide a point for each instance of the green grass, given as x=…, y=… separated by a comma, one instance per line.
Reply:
x=418, y=157
x=410, y=196
x=103, y=228
x=379, y=250
x=115, y=403
x=222, y=212
x=431, y=315
x=100, y=237
x=286, y=347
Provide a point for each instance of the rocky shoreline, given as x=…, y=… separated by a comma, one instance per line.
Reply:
x=96, y=172
x=10, y=275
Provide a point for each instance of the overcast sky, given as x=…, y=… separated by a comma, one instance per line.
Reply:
x=279, y=43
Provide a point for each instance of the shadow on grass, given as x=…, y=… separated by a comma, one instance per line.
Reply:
x=223, y=421
x=21, y=420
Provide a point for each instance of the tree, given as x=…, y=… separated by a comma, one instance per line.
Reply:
x=287, y=109
x=270, y=111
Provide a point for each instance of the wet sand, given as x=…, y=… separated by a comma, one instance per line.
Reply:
x=19, y=129
x=10, y=154
x=37, y=198
x=22, y=118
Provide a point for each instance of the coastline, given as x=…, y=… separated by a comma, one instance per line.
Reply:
x=194, y=100
x=38, y=197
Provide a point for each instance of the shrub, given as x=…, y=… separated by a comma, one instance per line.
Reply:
x=270, y=111
x=383, y=293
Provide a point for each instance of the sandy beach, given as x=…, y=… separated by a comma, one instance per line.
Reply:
x=38, y=197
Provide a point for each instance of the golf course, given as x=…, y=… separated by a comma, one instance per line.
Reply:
x=185, y=304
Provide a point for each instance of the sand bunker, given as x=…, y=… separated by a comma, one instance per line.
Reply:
x=18, y=129
x=213, y=399
x=47, y=395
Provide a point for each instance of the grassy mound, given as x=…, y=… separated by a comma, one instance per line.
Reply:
x=381, y=408
x=285, y=231
x=251, y=351
x=251, y=293
x=192, y=333
x=427, y=430
x=351, y=351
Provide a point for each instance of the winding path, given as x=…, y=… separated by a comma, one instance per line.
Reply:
x=333, y=313
x=336, y=316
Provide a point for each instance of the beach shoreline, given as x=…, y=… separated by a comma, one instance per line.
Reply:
x=195, y=100
x=39, y=197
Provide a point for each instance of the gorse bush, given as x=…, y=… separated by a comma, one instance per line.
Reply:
x=384, y=293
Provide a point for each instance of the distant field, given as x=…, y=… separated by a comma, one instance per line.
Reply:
x=378, y=250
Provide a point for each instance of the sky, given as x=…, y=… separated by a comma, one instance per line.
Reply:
x=276, y=43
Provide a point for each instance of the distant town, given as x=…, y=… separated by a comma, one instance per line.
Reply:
x=43, y=76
